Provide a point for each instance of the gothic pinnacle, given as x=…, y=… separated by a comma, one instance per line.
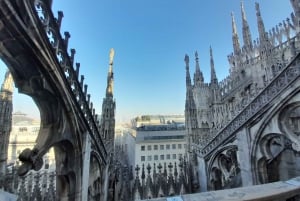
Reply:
x=8, y=84
x=260, y=24
x=246, y=30
x=188, y=77
x=235, y=37
x=198, y=76
x=109, y=89
x=213, y=75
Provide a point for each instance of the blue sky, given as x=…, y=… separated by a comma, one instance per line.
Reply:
x=150, y=38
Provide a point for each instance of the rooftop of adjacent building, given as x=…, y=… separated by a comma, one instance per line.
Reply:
x=163, y=127
x=160, y=135
x=20, y=118
x=157, y=120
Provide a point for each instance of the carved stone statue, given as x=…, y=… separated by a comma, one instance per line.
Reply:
x=111, y=55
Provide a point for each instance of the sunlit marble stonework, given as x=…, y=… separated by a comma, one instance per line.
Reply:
x=6, y=94
x=241, y=131
x=23, y=135
x=244, y=130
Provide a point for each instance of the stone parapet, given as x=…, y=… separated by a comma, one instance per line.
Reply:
x=279, y=191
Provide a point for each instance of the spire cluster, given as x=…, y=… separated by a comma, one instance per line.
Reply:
x=210, y=106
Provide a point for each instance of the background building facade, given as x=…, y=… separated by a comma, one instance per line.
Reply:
x=159, y=145
x=159, y=140
x=23, y=135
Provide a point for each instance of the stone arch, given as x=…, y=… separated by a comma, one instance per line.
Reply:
x=275, y=157
x=95, y=177
x=224, y=167
x=273, y=148
x=260, y=153
x=289, y=123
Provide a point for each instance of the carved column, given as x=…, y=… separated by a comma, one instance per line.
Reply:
x=244, y=158
x=202, y=174
x=86, y=167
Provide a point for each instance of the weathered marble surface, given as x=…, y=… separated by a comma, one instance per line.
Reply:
x=273, y=191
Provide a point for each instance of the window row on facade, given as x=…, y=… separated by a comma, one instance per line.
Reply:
x=162, y=147
x=161, y=157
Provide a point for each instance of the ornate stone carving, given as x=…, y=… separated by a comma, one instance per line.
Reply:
x=289, y=121
x=30, y=160
x=224, y=169
x=275, y=157
x=282, y=80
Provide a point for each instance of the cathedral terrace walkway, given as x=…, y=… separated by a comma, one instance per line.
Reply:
x=277, y=191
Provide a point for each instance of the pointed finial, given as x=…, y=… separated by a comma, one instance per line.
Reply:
x=175, y=170
x=154, y=170
x=246, y=30
x=159, y=168
x=196, y=56
x=137, y=168
x=148, y=168
x=235, y=37
x=234, y=29
x=143, y=171
x=165, y=170
x=198, y=76
x=187, y=60
x=8, y=83
x=257, y=8
x=261, y=27
x=243, y=10
x=213, y=76
x=59, y=18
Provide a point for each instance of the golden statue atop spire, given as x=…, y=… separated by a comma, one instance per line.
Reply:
x=110, y=77
x=111, y=55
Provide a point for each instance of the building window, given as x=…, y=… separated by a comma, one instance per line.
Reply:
x=155, y=157
x=162, y=147
x=149, y=147
x=173, y=146
x=162, y=157
x=142, y=158
x=143, y=148
x=23, y=129
x=174, y=156
x=149, y=158
x=168, y=157
x=167, y=146
x=155, y=147
x=179, y=146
